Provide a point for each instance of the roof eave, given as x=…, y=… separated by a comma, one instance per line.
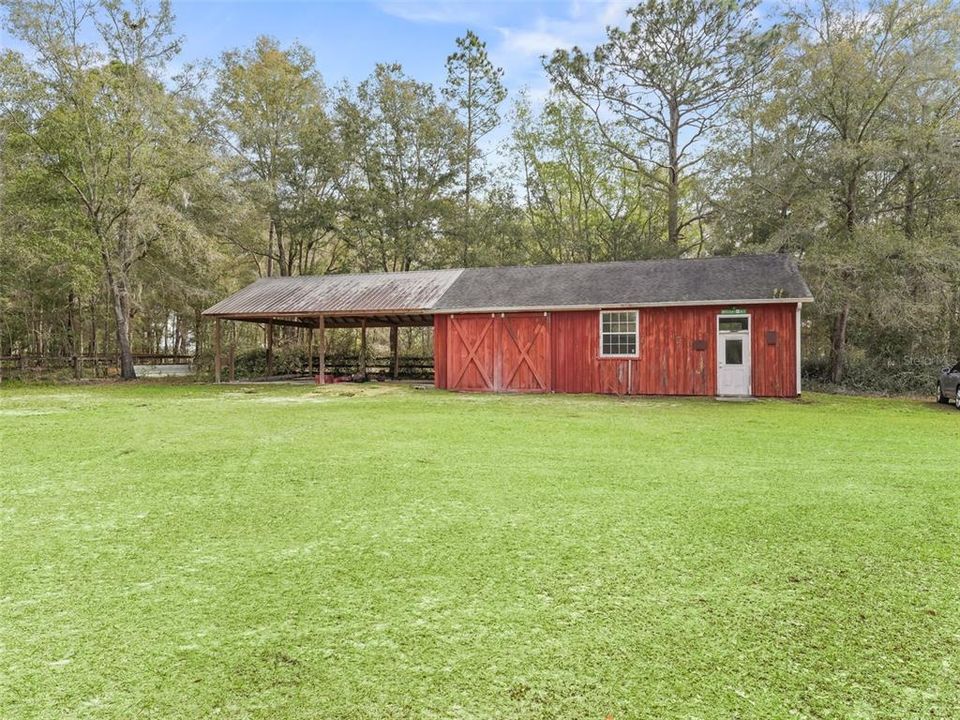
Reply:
x=228, y=315
x=604, y=306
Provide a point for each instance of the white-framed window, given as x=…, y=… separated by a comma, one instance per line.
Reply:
x=733, y=323
x=619, y=333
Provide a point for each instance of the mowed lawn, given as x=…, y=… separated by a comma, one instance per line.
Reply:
x=381, y=552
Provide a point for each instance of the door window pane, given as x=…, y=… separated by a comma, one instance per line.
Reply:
x=734, y=351
x=734, y=324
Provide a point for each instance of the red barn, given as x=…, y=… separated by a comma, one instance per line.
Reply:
x=714, y=326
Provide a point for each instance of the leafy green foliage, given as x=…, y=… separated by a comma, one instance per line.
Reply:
x=666, y=82
x=475, y=89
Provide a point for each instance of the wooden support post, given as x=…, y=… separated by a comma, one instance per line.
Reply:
x=216, y=351
x=395, y=351
x=321, y=350
x=269, y=369
x=233, y=354
x=363, y=347
x=309, y=351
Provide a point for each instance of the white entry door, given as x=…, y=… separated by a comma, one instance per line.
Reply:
x=733, y=355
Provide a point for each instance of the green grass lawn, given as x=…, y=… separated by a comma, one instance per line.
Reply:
x=174, y=551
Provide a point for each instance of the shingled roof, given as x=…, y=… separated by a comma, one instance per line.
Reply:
x=718, y=280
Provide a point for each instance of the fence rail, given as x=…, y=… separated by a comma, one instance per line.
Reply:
x=67, y=360
x=418, y=367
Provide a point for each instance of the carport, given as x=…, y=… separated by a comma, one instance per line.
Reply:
x=320, y=303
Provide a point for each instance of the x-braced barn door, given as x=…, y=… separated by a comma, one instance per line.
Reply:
x=509, y=352
x=524, y=353
x=471, y=352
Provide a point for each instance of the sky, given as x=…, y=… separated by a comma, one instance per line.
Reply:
x=349, y=37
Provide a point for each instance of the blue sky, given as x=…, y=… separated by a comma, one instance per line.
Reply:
x=350, y=37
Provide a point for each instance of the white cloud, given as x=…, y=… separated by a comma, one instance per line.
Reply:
x=441, y=11
x=520, y=47
x=519, y=34
x=583, y=24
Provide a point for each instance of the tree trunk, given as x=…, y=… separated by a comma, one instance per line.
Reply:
x=197, y=336
x=953, y=332
x=909, y=204
x=270, y=250
x=673, y=179
x=76, y=339
x=850, y=205
x=121, y=314
x=92, y=348
x=838, y=343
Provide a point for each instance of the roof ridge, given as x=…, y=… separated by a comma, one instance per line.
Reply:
x=646, y=261
x=359, y=274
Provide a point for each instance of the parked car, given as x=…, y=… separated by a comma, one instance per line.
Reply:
x=948, y=386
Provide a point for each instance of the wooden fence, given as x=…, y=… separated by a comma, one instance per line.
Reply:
x=410, y=367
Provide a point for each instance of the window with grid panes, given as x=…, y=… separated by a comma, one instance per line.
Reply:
x=618, y=333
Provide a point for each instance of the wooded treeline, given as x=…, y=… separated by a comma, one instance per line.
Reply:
x=132, y=197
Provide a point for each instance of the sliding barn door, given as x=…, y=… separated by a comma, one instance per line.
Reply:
x=471, y=343
x=509, y=352
x=524, y=353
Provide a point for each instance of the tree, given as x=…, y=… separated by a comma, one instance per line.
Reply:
x=274, y=125
x=668, y=80
x=847, y=156
x=581, y=204
x=103, y=124
x=402, y=145
x=475, y=88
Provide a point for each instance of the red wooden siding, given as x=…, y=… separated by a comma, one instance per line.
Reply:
x=576, y=342
x=670, y=362
x=530, y=352
x=440, y=351
x=773, y=345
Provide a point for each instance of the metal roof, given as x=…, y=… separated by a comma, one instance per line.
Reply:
x=718, y=280
x=339, y=294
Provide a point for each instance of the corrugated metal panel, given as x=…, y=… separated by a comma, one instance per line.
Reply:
x=367, y=293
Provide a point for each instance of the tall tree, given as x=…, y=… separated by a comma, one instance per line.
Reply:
x=475, y=87
x=668, y=79
x=285, y=160
x=105, y=126
x=402, y=143
x=847, y=157
x=580, y=203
